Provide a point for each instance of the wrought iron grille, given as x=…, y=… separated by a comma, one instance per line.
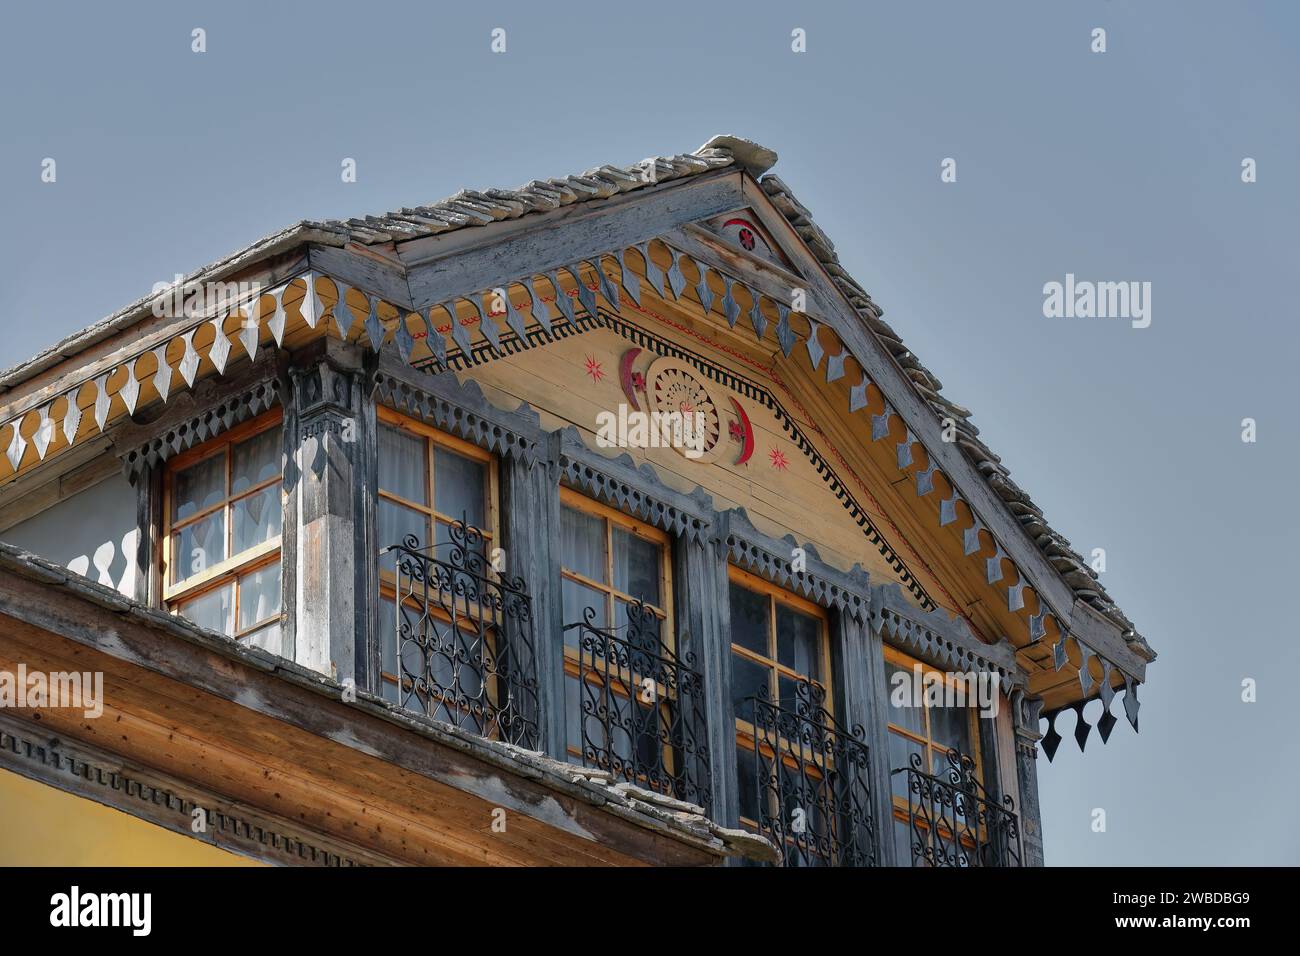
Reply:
x=953, y=821
x=640, y=707
x=812, y=780
x=465, y=650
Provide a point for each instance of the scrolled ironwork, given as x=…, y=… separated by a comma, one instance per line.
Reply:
x=812, y=779
x=641, y=706
x=465, y=647
x=954, y=821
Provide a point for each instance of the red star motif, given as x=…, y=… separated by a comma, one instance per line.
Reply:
x=735, y=431
x=638, y=381
x=594, y=370
x=778, y=459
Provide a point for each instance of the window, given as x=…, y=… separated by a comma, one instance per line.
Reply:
x=223, y=516
x=780, y=654
x=611, y=561
x=429, y=480
x=622, y=681
x=920, y=737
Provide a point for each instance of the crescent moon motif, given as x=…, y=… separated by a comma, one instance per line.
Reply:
x=747, y=448
x=625, y=375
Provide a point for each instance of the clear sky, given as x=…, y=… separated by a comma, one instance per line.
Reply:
x=1123, y=165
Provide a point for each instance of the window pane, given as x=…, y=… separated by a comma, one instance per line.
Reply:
x=387, y=635
x=259, y=596
x=255, y=519
x=442, y=536
x=572, y=720
x=637, y=566
x=903, y=840
x=749, y=620
x=747, y=782
x=256, y=460
x=747, y=679
x=402, y=463
x=900, y=759
x=902, y=698
x=798, y=641
x=651, y=635
x=269, y=638
x=214, y=610
x=199, y=487
x=582, y=543
x=787, y=695
x=577, y=598
x=460, y=487
x=198, y=546
x=950, y=727
x=396, y=522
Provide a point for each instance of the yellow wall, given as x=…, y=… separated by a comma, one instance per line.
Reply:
x=42, y=826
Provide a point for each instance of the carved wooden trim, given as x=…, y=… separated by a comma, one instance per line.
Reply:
x=635, y=490
x=747, y=547
x=940, y=640
x=84, y=772
x=462, y=410
x=198, y=428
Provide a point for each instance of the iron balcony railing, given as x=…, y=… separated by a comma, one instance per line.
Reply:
x=812, y=781
x=464, y=638
x=640, y=707
x=953, y=821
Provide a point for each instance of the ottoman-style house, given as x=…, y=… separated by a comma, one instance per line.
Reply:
x=602, y=521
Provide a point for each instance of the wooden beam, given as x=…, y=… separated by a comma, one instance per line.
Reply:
x=565, y=237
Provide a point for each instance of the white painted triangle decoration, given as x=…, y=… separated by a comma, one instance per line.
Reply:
x=189, y=366
x=101, y=400
x=219, y=351
x=162, y=379
x=250, y=327
x=44, y=432
x=71, y=418
x=130, y=390
x=310, y=307
x=374, y=328
x=17, y=445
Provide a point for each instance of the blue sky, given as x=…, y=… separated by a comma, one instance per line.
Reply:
x=1123, y=165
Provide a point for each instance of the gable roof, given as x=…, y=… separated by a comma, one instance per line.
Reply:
x=470, y=208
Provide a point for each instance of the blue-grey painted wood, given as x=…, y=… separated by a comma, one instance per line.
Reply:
x=530, y=539
x=327, y=468
x=700, y=600
x=1025, y=711
x=863, y=697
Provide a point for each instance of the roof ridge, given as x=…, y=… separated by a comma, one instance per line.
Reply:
x=472, y=207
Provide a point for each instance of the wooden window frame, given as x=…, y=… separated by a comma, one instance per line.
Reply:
x=433, y=438
x=234, y=566
x=929, y=747
x=610, y=517
x=746, y=736
x=664, y=614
